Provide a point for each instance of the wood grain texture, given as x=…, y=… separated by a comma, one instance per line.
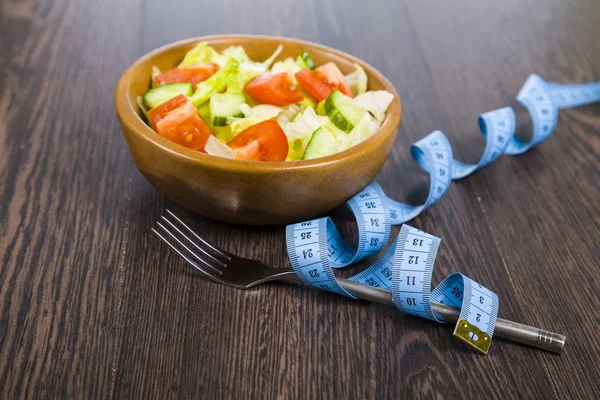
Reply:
x=64, y=178
x=93, y=307
x=545, y=224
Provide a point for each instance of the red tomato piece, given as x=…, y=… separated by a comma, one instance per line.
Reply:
x=264, y=141
x=335, y=78
x=159, y=112
x=275, y=88
x=178, y=120
x=314, y=84
x=324, y=80
x=194, y=74
x=250, y=152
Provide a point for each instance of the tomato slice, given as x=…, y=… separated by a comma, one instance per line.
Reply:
x=194, y=74
x=335, y=78
x=314, y=84
x=324, y=80
x=275, y=88
x=159, y=112
x=178, y=120
x=250, y=152
x=264, y=141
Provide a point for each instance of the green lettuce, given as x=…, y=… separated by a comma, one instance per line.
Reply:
x=252, y=116
x=155, y=72
x=376, y=102
x=202, y=53
x=237, y=53
x=300, y=131
x=249, y=69
x=365, y=128
x=288, y=113
x=216, y=83
x=286, y=65
x=357, y=80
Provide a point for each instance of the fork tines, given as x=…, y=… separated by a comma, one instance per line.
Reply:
x=189, y=245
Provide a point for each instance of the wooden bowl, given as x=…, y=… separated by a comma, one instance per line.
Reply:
x=245, y=192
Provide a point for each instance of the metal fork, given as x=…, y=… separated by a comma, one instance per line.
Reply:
x=243, y=273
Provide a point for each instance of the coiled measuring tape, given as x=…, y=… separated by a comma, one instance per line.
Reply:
x=316, y=247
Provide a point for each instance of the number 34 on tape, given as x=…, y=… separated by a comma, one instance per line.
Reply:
x=316, y=247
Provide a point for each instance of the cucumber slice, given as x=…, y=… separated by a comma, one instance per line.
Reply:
x=204, y=111
x=306, y=60
x=223, y=133
x=223, y=105
x=321, y=144
x=342, y=111
x=160, y=94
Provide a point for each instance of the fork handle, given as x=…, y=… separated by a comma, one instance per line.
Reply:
x=506, y=329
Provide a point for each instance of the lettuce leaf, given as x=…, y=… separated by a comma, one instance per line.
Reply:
x=202, y=53
x=215, y=83
x=357, y=80
x=246, y=72
x=365, y=128
x=236, y=52
x=249, y=69
x=296, y=149
x=269, y=61
x=252, y=116
x=300, y=131
x=288, y=113
x=308, y=102
x=140, y=102
x=266, y=111
x=155, y=72
x=375, y=101
x=304, y=125
x=286, y=65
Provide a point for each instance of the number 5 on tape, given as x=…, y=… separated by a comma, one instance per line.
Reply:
x=316, y=247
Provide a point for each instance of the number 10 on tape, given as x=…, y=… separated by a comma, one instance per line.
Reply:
x=412, y=269
x=315, y=247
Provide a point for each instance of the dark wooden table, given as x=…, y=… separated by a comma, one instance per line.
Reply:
x=93, y=307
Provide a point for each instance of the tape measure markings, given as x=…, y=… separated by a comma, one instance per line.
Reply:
x=316, y=247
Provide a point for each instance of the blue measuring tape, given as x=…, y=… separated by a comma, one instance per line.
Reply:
x=316, y=247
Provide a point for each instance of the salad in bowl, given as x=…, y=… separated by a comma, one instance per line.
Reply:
x=227, y=105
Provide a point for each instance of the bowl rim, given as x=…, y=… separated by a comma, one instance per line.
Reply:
x=134, y=122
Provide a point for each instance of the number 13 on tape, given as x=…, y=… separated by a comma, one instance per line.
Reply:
x=315, y=247
x=412, y=269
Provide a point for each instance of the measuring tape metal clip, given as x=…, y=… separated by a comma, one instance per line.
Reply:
x=316, y=247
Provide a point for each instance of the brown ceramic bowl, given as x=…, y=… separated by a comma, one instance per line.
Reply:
x=245, y=192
